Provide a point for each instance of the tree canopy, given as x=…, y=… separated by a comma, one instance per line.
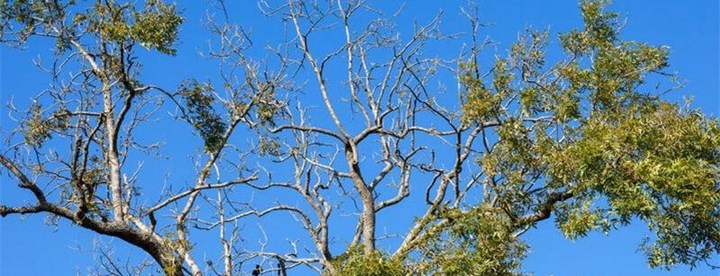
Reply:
x=329, y=135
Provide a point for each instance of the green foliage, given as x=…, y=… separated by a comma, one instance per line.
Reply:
x=37, y=129
x=268, y=146
x=480, y=103
x=157, y=27
x=201, y=114
x=621, y=152
x=266, y=105
x=655, y=162
x=355, y=262
x=576, y=219
x=28, y=14
x=474, y=242
x=154, y=27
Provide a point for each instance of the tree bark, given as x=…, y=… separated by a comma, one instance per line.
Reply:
x=368, y=201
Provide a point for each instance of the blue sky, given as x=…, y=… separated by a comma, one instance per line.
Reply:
x=689, y=28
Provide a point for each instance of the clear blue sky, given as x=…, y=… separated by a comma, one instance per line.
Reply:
x=689, y=28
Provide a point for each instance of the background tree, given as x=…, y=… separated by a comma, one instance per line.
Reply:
x=338, y=136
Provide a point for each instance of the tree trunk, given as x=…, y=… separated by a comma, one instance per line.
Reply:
x=368, y=213
x=368, y=218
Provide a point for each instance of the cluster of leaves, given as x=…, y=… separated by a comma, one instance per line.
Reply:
x=37, y=128
x=93, y=177
x=355, y=262
x=84, y=190
x=480, y=102
x=657, y=163
x=200, y=112
x=517, y=161
x=29, y=15
x=478, y=241
x=621, y=153
x=266, y=104
x=154, y=27
x=268, y=146
x=649, y=159
x=260, y=100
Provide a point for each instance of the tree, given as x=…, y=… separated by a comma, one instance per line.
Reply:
x=584, y=138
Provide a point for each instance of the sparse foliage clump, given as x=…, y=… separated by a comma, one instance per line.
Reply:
x=38, y=128
x=155, y=26
x=356, y=262
x=201, y=114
